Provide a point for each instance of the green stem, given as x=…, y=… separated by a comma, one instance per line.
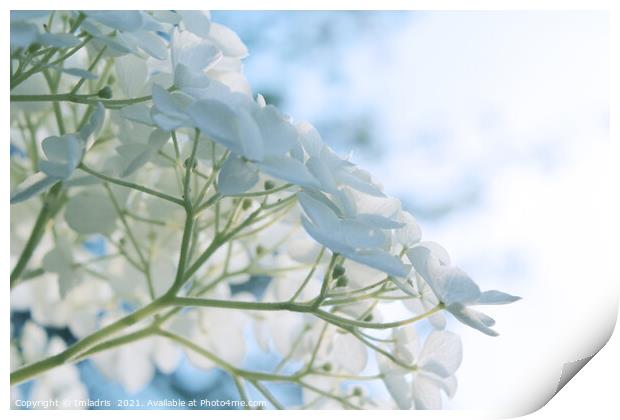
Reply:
x=19, y=78
x=131, y=185
x=326, y=278
x=309, y=275
x=51, y=204
x=231, y=304
x=189, y=223
x=146, y=269
x=272, y=399
x=334, y=319
x=92, y=66
x=243, y=395
x=34, y=369
x=88, y=99
x=251, y=375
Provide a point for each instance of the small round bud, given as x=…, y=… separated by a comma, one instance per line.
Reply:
x=338, y=271
x=34, y=47
x=260, y=250
x=327, y=367
x=342, y=281
x=269, y=185
x=246, y=203
x=357, y=391
x=368, y=318
x=187, y=163
x=105, y=92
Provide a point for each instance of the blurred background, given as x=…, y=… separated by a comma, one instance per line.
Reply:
x=489, y=126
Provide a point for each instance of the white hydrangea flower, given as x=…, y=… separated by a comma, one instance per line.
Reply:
x=435, y=363
x=456, y=290
x=62, y=384
x=356, y=236
x=179, y=234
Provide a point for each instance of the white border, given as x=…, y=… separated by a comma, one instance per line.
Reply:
x=593, y=393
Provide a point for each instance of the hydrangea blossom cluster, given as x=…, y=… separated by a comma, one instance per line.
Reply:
x=148, y=179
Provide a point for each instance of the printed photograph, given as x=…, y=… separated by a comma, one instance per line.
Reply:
x=258, y=210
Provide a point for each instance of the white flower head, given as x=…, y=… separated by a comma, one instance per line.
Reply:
x=454, y=289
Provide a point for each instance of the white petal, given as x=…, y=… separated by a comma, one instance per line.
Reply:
x=94, y=124
x=424, y=263
x=187, y=79
x=167, y=356
x=455, y=286
x=88, y=213
x=167, y=16
x=218, y=121
x=166, y=122
x=152, y=44
x=381, y=260
x=399, y=389
x=495, y=297
x=31, y=186
x=59, y=259
x=126, y=20
x=323, y=174
x=171, y=104
x=58, y=40
x=438, y=321
x=442, y=353
x=74, y=71
x=194, y=52
x=319, y=212
x=279, y=135
x=132, y=73
x=288, y=169
x=361, y=275
x=350, y=353
x=227, y=40
x=33, y=341
x=407, y=344
x=196, y=21
x=410, y=233
x=23, y=34
x=358, y=235
x=83, y=322
x=236, y=176
x=250, y=136
x=139, y=113
x=425, y=393
x=134, y=369
x=310, y=138
x=324, y=238
x=405, y=286
x=379, y=221
x=63, y=154
x=473, y=318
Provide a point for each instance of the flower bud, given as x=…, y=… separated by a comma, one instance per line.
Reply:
x=342, y=281
x=186, y=163
x=269, y=185
x=105, y=92
x=338, y=271
x=34, y=47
